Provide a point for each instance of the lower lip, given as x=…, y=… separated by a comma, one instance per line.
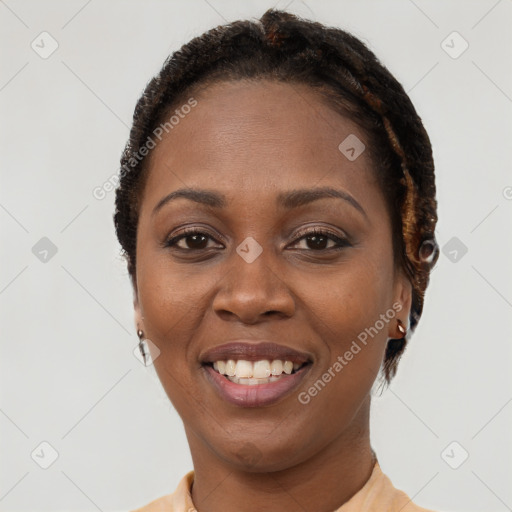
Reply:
x=258, y=395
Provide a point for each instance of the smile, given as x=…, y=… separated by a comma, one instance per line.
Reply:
x=254, y=375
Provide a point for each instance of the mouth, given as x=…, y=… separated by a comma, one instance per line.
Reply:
x=254, y=375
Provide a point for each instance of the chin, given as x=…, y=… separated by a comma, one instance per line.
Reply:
x=261, y=453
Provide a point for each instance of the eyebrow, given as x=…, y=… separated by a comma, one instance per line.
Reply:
x=288, y=200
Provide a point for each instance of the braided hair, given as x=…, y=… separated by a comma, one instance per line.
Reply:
x=348, y=76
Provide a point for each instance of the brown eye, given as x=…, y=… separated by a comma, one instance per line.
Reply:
x=319, y=240
x=195, y=241
x=192, y=240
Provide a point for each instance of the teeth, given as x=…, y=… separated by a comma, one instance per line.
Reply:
x=243, y=369
x=276, y=367
x=252, y=382
x=261, y=369
x=230, y=368
x=288, y=367
x=255, y=372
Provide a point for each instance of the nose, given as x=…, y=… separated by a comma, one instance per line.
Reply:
x=253, y=292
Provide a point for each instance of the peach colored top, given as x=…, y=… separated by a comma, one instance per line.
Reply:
x=378, y=494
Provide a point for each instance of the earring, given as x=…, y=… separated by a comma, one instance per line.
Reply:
x=401, y=328
x=140, y=334
x=429, y=251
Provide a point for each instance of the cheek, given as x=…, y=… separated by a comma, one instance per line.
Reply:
x=170, y=307
x=167, y=307
x=351, y=298
x=173, y=301
x=347, y=309
x=168, y=296
x=344, y=309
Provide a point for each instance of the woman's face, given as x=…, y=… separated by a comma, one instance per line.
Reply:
x=255, y=153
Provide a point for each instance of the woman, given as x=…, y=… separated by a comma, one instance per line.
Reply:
x=277, y=210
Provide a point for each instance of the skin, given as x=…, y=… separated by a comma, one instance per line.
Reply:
x=251, y=141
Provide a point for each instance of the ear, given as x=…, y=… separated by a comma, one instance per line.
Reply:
x=402, y=302
x=139, y=318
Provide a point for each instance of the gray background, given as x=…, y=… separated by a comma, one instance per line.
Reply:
x=68, y=374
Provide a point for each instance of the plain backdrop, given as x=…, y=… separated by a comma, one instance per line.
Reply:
x=68, y=374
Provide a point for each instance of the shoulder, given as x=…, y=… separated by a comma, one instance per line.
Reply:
x=176, y=501
x=380, y=494
x=162, y=504
x=398, y=500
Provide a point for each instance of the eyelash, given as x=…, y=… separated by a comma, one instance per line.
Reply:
x=301, y=235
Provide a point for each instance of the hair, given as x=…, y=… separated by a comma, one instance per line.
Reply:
x=350, y=79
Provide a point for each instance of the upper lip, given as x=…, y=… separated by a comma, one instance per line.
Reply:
x=253, y=351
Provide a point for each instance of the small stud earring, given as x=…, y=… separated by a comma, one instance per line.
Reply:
x=401, y=327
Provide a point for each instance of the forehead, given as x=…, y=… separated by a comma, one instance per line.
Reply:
x=248, y=137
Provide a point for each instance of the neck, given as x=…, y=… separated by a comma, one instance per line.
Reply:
x=323, y=482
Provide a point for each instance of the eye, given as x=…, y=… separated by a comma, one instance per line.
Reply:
x=317, y=239
x=190, y=239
